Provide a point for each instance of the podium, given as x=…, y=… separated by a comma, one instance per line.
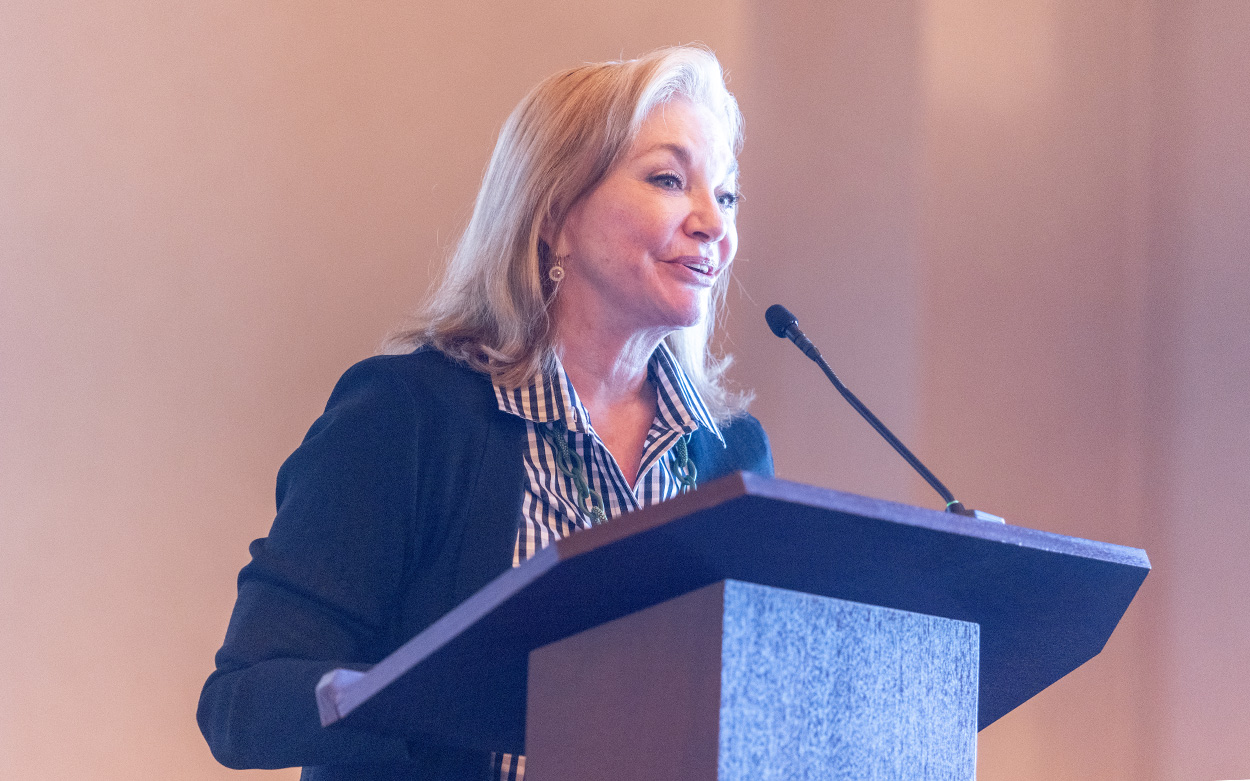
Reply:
x=752, y=629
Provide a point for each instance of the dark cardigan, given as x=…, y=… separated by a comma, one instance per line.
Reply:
x=401, y=502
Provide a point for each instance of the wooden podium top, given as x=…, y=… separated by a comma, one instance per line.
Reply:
x=1046, y=603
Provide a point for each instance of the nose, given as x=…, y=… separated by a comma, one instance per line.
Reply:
x=707, y=221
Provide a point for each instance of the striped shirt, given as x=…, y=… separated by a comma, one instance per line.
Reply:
x=550, y=508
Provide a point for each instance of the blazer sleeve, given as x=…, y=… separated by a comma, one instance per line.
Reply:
x=320, y=590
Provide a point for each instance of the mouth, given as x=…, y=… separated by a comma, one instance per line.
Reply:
x=700, y=266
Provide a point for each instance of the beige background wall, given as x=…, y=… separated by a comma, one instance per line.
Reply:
x=1019, y=230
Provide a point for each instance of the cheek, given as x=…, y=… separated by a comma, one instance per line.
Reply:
x=729, y=244
x=616, y=231
x=649, y=227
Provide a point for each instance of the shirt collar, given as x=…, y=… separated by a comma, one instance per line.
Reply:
x=550, y=396
x=678, y=403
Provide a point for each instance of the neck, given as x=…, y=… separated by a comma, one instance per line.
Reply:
x=606, y=373
x=608, y=369
x=605, y=357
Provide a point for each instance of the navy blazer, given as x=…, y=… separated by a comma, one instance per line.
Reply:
x=401, y=502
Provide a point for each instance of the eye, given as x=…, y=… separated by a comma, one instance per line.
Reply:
x=729, y=200
x=667, y=181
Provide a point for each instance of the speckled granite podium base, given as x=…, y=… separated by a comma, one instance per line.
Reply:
x=740, y=682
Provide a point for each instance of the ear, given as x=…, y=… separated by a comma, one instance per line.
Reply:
x=556, y=240
x=553, y=228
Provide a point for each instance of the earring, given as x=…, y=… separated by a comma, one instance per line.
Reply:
x=556, y=272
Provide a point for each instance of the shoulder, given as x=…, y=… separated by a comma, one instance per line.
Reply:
x=395, y=399
x=748, y=443
x=425, y=370
x=745, y=449
x=425, y=379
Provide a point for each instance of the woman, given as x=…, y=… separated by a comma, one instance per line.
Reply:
x=560, y=376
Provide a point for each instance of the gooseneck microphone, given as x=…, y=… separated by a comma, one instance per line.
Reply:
x=784, y=324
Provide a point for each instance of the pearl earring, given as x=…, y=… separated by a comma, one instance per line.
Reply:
x=556, y=272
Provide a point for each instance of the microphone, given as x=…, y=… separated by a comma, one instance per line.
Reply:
x=784, y=324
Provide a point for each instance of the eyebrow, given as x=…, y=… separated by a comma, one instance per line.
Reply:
x=683, y=154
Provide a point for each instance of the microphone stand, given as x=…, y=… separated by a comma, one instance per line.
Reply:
x=785, y=324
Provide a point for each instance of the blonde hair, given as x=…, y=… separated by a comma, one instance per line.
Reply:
x=490, y=309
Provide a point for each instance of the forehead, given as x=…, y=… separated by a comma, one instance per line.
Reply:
x=686, y=129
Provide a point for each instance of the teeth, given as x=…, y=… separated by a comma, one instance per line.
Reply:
x=705, y=268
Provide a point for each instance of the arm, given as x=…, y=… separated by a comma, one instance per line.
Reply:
x=321, y=589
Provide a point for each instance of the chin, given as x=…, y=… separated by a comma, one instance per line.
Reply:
x=684, y=312
x=689, y=316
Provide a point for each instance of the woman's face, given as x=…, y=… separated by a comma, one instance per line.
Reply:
x=645, y=247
